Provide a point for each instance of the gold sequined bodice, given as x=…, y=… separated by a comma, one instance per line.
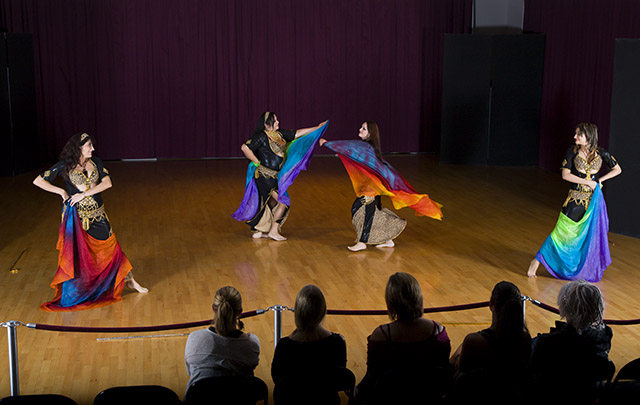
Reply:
x=277, y=144
x=88, y=208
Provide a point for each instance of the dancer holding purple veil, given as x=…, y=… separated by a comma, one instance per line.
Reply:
x=277, y=156
x=578, y=247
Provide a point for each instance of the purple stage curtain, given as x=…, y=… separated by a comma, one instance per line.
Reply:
x=181, y=79
x=578, y=66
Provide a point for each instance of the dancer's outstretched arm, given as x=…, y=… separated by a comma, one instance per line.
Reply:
x=305, y=131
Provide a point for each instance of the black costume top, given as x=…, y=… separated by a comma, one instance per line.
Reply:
x=580, y=194
x=308, y=371
x=270, y=149
x=90, y=208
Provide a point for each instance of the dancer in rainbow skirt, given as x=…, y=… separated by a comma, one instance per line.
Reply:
x=373, y=177
x=277, y=156
x=578, y=247
x=92, y=268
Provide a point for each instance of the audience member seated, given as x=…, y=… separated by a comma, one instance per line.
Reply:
x=310, y=363
x=568, y=362
x=222, y=349
x=492, y=364
x=407, y=359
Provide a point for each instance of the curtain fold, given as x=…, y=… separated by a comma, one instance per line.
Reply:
x=578, y=66
x=166, y=79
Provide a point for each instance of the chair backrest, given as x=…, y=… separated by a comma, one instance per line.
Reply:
x=136, y=395
x=237, y=390
x=48, y=399
x=320, y=388
x=630, y=371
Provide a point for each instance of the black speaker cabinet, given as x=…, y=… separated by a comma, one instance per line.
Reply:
x=491, y=95
x=623, y=193
x=18, y=125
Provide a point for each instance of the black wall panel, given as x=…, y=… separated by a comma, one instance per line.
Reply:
x=492, y=89
x=623, y=192
x=17, y=104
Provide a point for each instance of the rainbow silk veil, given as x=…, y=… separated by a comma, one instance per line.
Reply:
x=91, y=272
x=297, y=159
x=371, y=176
x=579, y=250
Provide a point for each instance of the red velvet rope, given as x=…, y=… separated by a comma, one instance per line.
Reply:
x=101, y=329
x=60, y=328
x=426, y=310
x=607, y=321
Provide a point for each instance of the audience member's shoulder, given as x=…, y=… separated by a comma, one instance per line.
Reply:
x=378, y=334
x=251, y=337
x=474, y=340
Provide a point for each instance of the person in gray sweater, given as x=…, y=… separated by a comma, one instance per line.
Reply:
x=223, y=348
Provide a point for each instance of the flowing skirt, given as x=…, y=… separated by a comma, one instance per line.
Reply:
x=579, y=250
x=373, y=223
x=91, y=272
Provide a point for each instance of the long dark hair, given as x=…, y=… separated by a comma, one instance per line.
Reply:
x=71, y=152
x=590, y=132
x=267, y=118
x=374, y=137
x=506, y=304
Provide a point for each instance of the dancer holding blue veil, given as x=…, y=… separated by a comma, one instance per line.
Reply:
x=578, y=247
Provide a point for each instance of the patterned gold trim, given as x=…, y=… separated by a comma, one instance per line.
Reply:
x=266, y=172
x=87, y=217
x=583, y=166
x=366, y=200
x=386, y=225
x=579, y=197
x=277, y=143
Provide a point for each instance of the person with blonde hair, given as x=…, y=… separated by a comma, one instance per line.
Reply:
x=408, y=354
x=306, y=362
x=578, y=246
x=222, y=349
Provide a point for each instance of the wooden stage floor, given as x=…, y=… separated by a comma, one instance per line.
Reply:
x=173, y=220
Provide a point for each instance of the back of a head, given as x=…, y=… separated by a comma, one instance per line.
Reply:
x=581, y=304
x=227, y=306
x=506, y=304
x=404, y=297
x=310, y=307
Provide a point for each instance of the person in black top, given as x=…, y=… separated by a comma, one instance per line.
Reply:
x=267, y=150
x=94, y=279
x=307, y=361
x=580, y=167
x=492, y=364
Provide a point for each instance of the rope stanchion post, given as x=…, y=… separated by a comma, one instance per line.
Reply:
x=524, y=307
x=12, y=342
x=277, y=323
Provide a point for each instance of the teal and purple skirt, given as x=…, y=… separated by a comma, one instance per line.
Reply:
x=579, y=250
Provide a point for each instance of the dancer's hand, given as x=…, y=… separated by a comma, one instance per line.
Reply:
x=322, y=141
x=323, y=122
x=76, y=197
x=592, y=184
x=64, y=195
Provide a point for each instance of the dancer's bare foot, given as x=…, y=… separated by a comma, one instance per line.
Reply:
x=388, y=243
x=276, y=236
x=357, y=247
x=533, y=268
x=133, y=284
